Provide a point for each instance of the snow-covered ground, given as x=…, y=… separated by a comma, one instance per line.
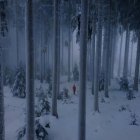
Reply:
x=110, y=124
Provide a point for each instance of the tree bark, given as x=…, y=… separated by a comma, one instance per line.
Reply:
x=126, y=55
x=55, y=63
x=2, y=127
x=29, y=70
x=83, y=53
x=93, y=53
x=120, y=54
x=98, y=56
x=136, y=78
x=69, y=42
x=131, y=58
x=16, y=26
x=107, y=47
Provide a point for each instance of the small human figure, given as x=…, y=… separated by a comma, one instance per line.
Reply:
x=74, y=89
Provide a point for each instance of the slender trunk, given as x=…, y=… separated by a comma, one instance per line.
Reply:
x=93, y=53
x=29, y=70
x=72, y=52
x=110, y=53
x=16, y=26
x=113, y=50
x=136, y=78
x=120, y=54
x=41, y=51
x=83, y=53
x=98, y=56
x=107, y=47
x=62, y=37
x=44, y=65
x=2, y=127
x=58, y=57
x=69, y=44
x=103, y=53
x=131, y=58
x=126, y=55
x=55, y=63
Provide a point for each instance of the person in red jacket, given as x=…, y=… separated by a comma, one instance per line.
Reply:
x=74, y=89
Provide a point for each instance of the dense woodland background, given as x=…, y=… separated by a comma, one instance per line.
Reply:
x=78, y=42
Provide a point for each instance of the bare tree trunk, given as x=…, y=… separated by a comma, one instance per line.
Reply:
x=16, y=26
x=55, y=64
x=107, y=47
x=41, y=50
x=2, y=127
x=83, y=53
x=30, y=70
x=120, y=54
x=58, y=57
x=62, y=37
x=113, y=50
x=69, y=42
x=131, y=58
x=93, y=53
x=125, y=69
x=98, y=56
x=136, y=78
x=110, y=52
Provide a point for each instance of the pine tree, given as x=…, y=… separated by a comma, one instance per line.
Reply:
x=18, y=88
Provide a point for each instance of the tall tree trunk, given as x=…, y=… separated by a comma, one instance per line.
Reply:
x=55, y=63
x=29, y=70
x=120, y=54
x=83, y=53
x=131, y=58
x=16, y=26
x=98, y=56
x=110, y=53
x=107, y=47
x=103, y=53
x=2, y=127
x=136, y=78
x=41, y=50
x=113, y=50
x=93, y=53
x=126, y=55
x=69, y=42
x=62, y=37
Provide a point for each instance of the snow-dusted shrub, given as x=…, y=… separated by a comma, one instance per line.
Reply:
x=124, y=84
x=134, y=120
x=49, y=91
x=40, y=131
x=49, y=76
x=42, y=106
x=130, y=94
x=75, y=73
x=8, y=78
x=122, y=108
x=18, y=88
x=63, y=94
x=101, y=82
x=21, y=133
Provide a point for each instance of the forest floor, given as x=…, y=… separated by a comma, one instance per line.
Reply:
x=113, y=122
